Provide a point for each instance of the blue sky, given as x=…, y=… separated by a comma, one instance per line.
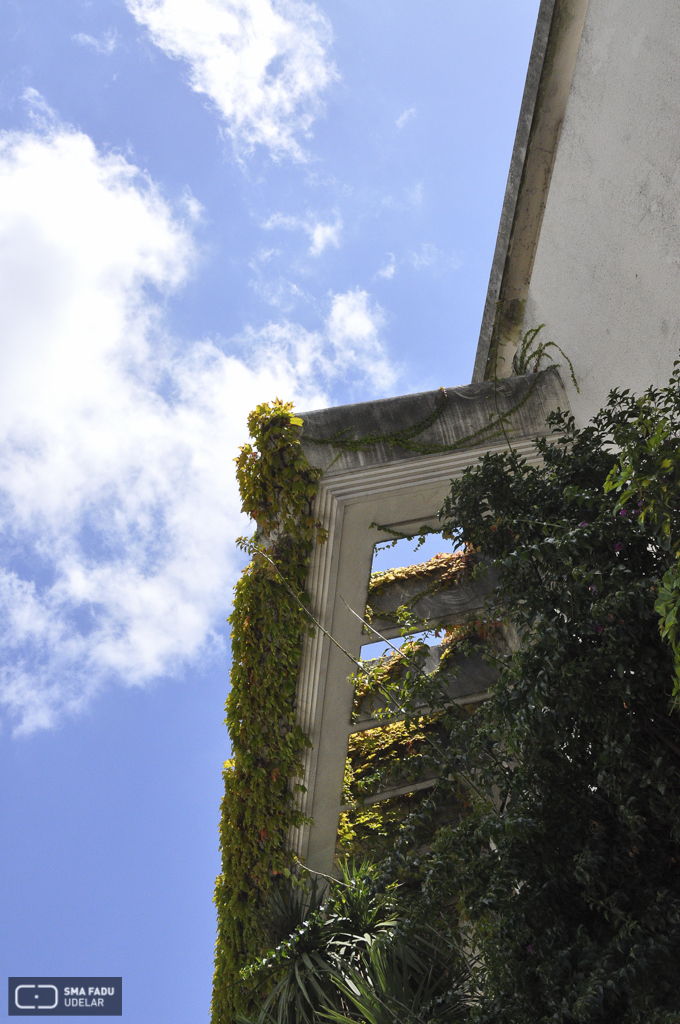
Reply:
x=203, y=204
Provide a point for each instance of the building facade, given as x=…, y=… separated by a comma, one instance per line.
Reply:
x=589, y=246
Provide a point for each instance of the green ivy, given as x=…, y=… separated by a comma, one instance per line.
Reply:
x=531, y=352
x=441, y=572
x=646, y=477
x=277, y=487
x=565, y=874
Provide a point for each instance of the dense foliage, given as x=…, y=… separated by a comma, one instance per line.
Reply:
x=566, y=874
x=646, y=478
x=350, y=956
x=268, y=625
x=560, y=882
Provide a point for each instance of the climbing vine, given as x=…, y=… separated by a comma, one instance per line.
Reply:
x=277, y=487
x=531, y=352
x=269, y=622
x=646, y=477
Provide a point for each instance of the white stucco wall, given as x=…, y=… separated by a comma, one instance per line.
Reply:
x=606, y=279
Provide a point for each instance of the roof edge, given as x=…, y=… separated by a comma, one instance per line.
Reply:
x=512, y=188
x=549, y=80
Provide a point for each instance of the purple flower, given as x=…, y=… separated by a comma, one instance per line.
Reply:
x=583, y=524
x=599, y=628
x=529, y=949
x=623, y=512
x=618, y=546
x=592, y=588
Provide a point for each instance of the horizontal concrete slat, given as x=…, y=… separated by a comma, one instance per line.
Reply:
x=392, y=792
x=451, y=606
x=467, y=679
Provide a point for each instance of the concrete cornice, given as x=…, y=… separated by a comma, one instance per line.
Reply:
x=463, y=421
x=548, y=83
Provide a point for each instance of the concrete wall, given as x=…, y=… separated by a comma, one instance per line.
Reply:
x=606, y=277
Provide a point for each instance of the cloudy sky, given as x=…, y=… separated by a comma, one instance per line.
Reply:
x=203, y=204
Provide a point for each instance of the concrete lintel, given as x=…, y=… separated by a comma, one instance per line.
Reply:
x=549, y=77
x=389, y=794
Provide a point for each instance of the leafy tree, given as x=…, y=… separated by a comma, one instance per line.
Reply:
x=646, y=477
x=565, y=873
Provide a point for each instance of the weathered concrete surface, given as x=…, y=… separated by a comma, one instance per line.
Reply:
x=451, y=606
x=606, y=278
x=597, y=259
x=464, y=420
x=464, y=678
x=549, y=79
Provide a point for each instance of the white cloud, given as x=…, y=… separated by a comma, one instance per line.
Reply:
x=430, y=256
x=118, y=506
x=320, y=234
x=353, y=328
x=263, y=63
x=388, y=271
x=39, y=111
x=106, y=45
x=426, y=256
x=415, y=195
x=323, y=235
x=406, y=116
x=263, y=256
x=349, y=346
x=193, y=208
x=280, y=292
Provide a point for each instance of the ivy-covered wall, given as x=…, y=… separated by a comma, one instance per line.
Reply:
x=405, y=750
x=269, y=622
x=277, y=487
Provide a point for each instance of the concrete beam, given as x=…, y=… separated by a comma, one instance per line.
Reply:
x=463, y=420
x=451, y=606
x=390, y=792
x=467, y=681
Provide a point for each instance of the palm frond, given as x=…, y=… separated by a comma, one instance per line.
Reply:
x=410, y=980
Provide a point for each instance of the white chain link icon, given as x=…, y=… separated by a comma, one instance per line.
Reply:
x=39, y=1006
